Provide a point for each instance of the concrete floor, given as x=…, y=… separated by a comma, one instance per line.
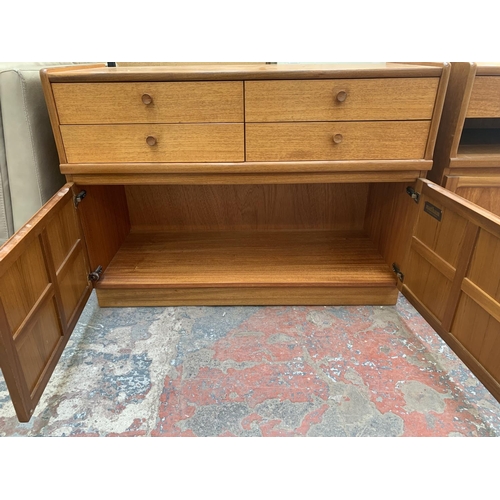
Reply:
x=257, y=371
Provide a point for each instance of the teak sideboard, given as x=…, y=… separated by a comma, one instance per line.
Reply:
x=266, y=184
x=467, y=153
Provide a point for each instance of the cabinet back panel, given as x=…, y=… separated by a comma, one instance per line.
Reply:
x=248, y=207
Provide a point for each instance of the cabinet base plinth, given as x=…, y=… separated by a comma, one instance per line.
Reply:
x=251, y=296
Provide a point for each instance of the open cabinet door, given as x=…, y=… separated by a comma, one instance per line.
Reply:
x=43, y=288
x=452, y=277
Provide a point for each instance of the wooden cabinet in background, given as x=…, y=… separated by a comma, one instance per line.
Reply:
x=241, y=185
x=467, y=153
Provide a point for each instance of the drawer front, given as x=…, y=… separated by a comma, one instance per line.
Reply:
x=153, y=143
x=336, y=141
x=485, y=98
x=149, y=102
x=325, y=100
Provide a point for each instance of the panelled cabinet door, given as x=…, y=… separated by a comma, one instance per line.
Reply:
x=452, y=276
x=43, y=289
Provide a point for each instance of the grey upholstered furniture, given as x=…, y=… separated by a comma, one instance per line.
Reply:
x=29, y=166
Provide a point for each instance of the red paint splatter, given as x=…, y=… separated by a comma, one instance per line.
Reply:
x=294, y=354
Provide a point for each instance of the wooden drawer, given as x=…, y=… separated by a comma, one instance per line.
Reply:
x=485, y=98
x=315, y=141
x=321, y=100
x=171, y=102
x=174, y=143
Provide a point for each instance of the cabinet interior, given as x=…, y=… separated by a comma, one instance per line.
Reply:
x=479, y=183
x=315, y=236
x=480, y=136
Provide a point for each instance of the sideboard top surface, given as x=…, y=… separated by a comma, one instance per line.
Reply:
x=488, y=68
x=101, y=73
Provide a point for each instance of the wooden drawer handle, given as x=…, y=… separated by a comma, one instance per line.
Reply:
x=337, y=138
x=151, y=141
x=341, y=96
x=147, y=99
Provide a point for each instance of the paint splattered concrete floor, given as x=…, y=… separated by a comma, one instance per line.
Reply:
x=257, y=371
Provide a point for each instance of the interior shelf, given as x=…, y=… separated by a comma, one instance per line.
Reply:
x=277, y=244
x=479, y=150
x=480, y=137
x=306, y=258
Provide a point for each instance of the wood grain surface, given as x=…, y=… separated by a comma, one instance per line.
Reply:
x=246, y=258
x=248, y=207
x=171, y=102
x=487, y=197
x=485, y=97
x=244, y=178
x=43, y=289
x=488, y=68
x=477, y=323
x=316, y=100
x=105, y=221
x=176, y=143
x=438, y=111
x=452, y=118
x=314, y=140
x=271, y=296
x=247, y=167
x=245, y=72
x=390, y=216
x=453, y=278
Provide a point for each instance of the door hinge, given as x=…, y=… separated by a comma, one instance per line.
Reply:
x=414, y=195
x=398, y=272
x=96, y=275
x=79, y=197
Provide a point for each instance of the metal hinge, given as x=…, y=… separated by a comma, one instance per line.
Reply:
x=398, y=272
x=79, y=197
x=96, y=275
x=414, y=195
